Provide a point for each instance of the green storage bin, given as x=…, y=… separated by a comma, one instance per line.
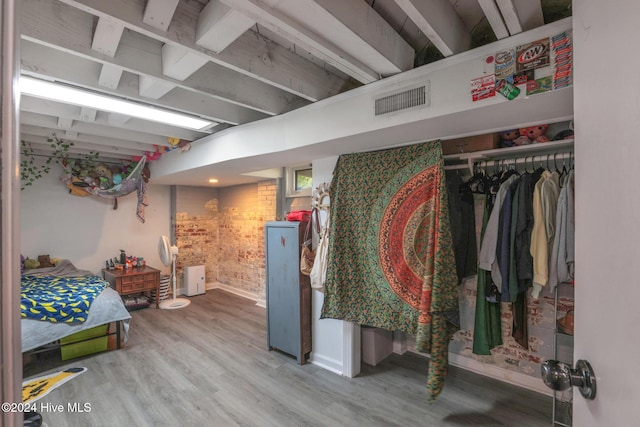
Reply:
x=71, y=348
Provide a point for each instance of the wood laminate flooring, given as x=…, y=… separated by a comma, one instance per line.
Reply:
x=208, y=365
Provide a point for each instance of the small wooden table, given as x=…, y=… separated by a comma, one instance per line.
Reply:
x=134, y=280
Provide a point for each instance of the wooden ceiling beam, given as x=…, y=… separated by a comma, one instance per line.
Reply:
x=158, y=13
x=88, y=114
x=116, y=139
x=357, y=28
x=219, y=26
x=47, y=25
x=529, y=13
x=287, y=27
x=510, y=16
x=110, y=76
x=256, y=58
x=64, y=123
x=81, y=145
x=39, y=61
x=492, y=12
x=180, y=63
x=106, y=36
x=150, y=87
x=438, y=20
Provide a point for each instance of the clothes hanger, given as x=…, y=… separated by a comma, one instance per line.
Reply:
x=476, y=184
x=564, y=170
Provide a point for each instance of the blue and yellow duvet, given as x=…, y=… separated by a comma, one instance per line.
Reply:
x=59, y=299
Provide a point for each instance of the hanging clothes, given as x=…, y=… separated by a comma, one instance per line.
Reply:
x=503, y=246
x=561, y=263
x=527, y=242
x=522, y=261
x=487, y=330
x=463, y=227
x=488, y=259
x=545, y=202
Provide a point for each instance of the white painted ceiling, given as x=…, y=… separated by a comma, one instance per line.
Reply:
x=234, y=61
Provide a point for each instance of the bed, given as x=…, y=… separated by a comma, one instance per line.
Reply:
x=71, y=313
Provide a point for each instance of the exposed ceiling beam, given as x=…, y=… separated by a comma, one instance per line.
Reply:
x=115, y=119
x=88, y=114
x=81, y=146
x=153, y=88
x=438, y=20
x=252, y=56
x=219, y=25
x=137, y=140
x=529, y=13
x=510, y=16
x=40, y=61
x=93, y=139
x=179, y=63
x=106, y=36
x=47, y=25
x=110, y=76
x=491, y=11
x=63, y=123
x=43, y=107
x=369, y=37
x=158, y=13
x=289, y=28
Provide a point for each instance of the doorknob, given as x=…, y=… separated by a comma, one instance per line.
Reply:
x=560, y=376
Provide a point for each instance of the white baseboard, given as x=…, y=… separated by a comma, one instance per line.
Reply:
x=235, y=291
x=498, y=373
x=327, y=363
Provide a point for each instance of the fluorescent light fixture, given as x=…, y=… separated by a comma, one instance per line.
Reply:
x=70, y=95
x=213, y=180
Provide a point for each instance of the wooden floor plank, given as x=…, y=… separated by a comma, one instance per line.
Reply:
x=208, y=365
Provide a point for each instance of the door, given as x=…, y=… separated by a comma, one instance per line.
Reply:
x=607, y=148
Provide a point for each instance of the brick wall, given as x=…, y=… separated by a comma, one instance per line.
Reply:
x=197, y=226
x=243, y=211
x=224, y=231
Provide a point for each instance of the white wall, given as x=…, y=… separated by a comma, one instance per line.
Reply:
x=86, y=230
x=336, y=344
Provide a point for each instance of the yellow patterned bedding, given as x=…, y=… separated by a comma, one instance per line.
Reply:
x=59, y=299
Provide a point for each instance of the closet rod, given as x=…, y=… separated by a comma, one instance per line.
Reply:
x=550, y=159
x=454, y=167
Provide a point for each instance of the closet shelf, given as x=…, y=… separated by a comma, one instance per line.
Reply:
x=454, y=161
x=520, y=151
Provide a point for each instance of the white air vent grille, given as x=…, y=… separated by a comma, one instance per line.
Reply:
x=403, y=100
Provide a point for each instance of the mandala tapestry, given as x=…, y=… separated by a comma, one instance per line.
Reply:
x=391, y=263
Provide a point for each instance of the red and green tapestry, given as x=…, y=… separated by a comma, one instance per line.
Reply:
x=391, y=263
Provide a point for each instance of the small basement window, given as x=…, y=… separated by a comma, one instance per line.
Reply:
x=299, y=181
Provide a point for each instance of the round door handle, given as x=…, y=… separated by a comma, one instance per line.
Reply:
x=560, y=376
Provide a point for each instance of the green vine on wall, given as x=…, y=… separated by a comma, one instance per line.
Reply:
x=31, y=171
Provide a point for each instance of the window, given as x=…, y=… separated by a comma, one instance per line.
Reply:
x=299, y=181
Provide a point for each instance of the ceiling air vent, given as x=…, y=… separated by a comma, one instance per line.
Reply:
x=410, y=98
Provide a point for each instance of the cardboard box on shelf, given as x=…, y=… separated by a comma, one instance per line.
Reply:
x=468, y=144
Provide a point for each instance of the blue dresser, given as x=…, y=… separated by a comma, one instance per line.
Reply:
x=288, y=291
